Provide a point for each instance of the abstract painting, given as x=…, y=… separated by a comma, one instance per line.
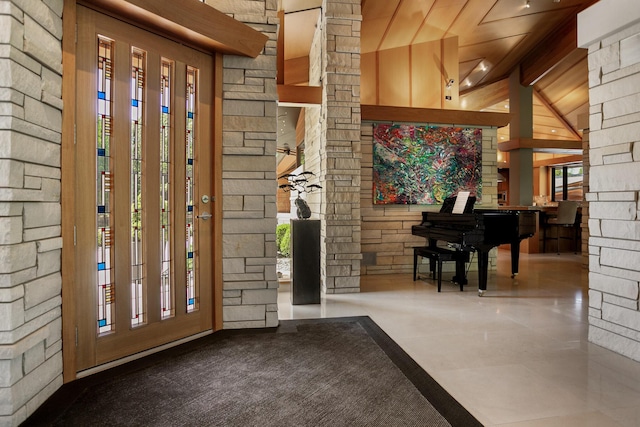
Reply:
x=423, y=165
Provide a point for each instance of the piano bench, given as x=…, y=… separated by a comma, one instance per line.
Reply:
x=437, y=255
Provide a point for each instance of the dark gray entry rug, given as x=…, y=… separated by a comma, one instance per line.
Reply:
x=321, y=372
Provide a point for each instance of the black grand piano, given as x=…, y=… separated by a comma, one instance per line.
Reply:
x=479, y=230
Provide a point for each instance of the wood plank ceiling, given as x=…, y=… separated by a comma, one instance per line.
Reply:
x=495, y=37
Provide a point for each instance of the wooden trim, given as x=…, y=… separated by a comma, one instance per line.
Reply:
x=151, y=173
x=216, y=201
x=296, y=71
x=204, y=185
x=68, y=168
x=540, y=144
x=572, y=158
x=300, y=94
x=85, y=225
x=178, y=118
x=300, y=128
x=433, y=115
x=280, y=50
x=191, y=21
x=410, y=71
x=377, y=77
x=120, y=197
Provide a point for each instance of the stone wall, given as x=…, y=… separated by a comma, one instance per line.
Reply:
x=340, y=151
x=387, y=241
x=313, y=141
x=30, y=214
x=614, y=181
x=584, y=219
x=250, y=284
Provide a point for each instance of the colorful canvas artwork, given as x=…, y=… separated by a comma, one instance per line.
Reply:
x=416, y=164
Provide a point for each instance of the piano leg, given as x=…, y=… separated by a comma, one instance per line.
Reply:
x=483, y=267
x=460, y=278
x=515, y=257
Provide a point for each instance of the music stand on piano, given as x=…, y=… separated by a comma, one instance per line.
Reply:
x=450, y=202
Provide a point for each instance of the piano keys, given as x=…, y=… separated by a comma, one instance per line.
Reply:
x=479, y=231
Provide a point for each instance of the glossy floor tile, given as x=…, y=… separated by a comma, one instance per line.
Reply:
x=518, y=356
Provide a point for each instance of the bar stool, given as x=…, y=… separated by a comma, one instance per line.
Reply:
x=567, y=213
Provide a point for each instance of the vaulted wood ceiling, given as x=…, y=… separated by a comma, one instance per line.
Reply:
x=495, y=37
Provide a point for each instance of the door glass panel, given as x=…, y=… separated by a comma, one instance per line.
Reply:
x=167, y=285
x=106, y=285
x=137, y=214
x=192, y=92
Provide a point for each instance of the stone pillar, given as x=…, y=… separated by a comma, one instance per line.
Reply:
x=250, y=283
x=521, y=159
x=613, y=40
x=30, y=211
x=340, y=152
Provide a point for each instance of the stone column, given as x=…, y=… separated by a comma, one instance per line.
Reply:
x=249, y=184
x=30, y=210
x=614, y=173
x=340, y=153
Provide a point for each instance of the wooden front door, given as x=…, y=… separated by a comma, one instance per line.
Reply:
x=143, y=187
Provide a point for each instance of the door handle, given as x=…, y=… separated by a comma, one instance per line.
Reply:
x=205, y=215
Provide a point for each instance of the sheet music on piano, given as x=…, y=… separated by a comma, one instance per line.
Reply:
x=461, y=202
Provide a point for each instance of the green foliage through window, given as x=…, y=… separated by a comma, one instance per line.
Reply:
x=283, y=239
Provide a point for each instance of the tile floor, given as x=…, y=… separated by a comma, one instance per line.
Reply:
x=518, y=356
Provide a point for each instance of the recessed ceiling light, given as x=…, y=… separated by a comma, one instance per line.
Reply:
x=553, y=130
x=528, y=4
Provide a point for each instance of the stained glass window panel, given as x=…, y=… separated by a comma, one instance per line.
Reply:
x=138, y=63
x=166, y=282
x=190, y=143
x=104, y=263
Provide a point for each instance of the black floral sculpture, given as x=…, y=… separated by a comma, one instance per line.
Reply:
x=300, y=183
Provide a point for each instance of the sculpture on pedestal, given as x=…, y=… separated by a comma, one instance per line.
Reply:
x=300, y=183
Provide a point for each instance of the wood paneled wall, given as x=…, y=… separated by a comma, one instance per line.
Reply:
x=412, y=76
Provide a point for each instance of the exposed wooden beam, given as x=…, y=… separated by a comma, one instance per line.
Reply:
x=432, y=115
x=557, y=115
x=485, y=96
x=296, y=71
x=190, y=21
x=286, y=165
x=548, y=53
x=539, y=144
x=298, y=95
x=571, y=158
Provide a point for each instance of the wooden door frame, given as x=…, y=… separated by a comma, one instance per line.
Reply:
x=68, y=162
